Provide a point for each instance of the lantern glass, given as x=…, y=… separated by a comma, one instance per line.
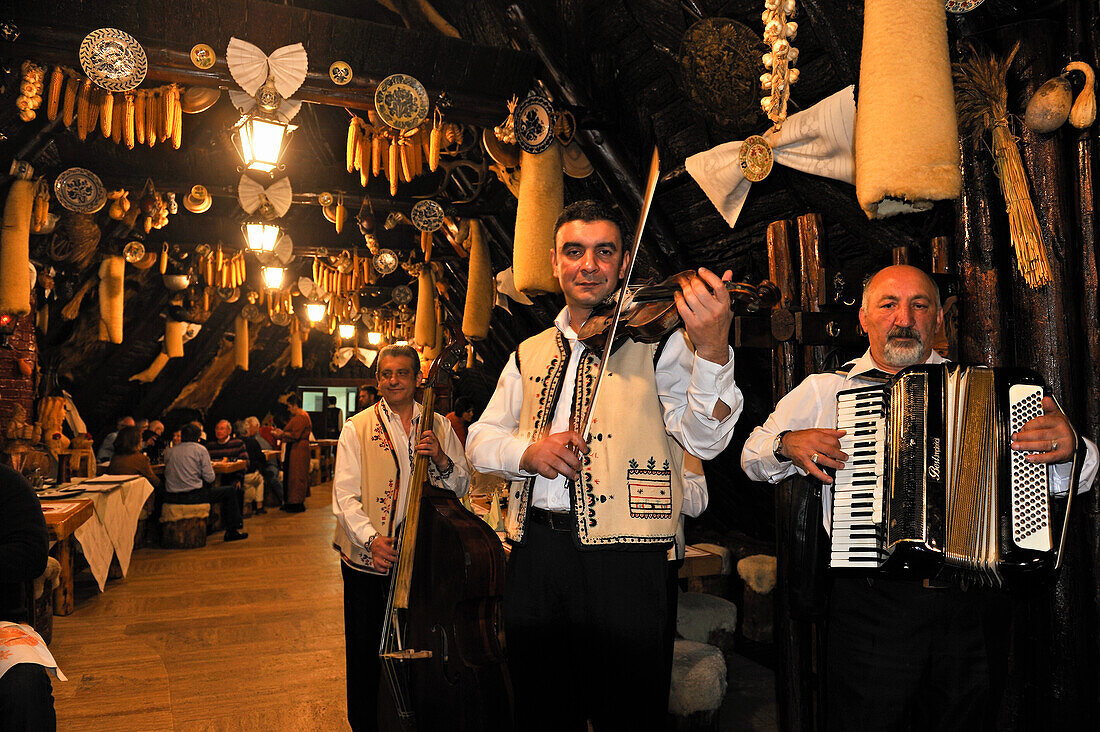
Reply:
x=273, y=277
x=315, y=311
x=401, y=343
x=374, y=338
x=262, y=142
x=347, y=330
x=262, y=237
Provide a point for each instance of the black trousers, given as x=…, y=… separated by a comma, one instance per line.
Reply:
x=26, y=699
x=900, y=656
x=586, y=634
x=364, y=608
x=231, y=500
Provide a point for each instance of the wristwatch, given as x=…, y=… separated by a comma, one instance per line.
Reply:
x=777, y=447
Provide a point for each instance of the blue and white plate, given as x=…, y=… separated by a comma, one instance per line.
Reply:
x=113, y=59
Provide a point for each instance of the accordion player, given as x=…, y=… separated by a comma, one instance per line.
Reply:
x=932, y=487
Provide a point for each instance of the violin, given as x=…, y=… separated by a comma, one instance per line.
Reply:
x=649, y=312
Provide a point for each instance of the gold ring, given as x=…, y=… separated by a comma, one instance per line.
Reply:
x=1053, y=445
x=813, y=459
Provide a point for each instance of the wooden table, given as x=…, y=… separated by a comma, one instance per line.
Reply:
x=221, y=467
x=62, y=519
x=325, y=453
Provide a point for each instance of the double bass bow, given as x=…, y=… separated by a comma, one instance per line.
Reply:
x=442, y=647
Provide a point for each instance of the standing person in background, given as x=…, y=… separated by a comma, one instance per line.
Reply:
x=296, y=438
x=367, y=396
x=461, y=417
x=334, y=418
x=256, y=444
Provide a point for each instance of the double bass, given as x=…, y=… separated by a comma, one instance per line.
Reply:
x=442, y=647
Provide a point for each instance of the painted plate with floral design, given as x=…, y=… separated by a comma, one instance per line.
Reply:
x=534, y=123
x=113, y=60
x=80, y=190
x=401, y=101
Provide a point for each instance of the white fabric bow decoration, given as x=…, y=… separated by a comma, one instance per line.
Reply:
x=817, y=140
x=365, y=355
x=250, y=68
x=506, y=288
x=252, y=194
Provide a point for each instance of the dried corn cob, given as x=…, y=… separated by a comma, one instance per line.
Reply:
x=435, y=141
x=72, y=83
x=53, y=101
x=152, y=112
x=128, y=119
x=82, y=109
x=355, y=137
x=377, y=143
x=177, y=122
x=106, y=113
x=139, y=116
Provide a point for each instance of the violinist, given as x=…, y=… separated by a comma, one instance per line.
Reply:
x=585, y=605
x=370, y=486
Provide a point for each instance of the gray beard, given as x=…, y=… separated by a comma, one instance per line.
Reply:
x=898, y=355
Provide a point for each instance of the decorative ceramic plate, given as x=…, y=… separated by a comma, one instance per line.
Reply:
x=402, y=295
x=755, y=158
x=534, y=123
x=252, y=314
x=427, y=215
x=80, y=190
x=113, y=60
x=203, y=56
x=961, y=6
x=385, y=261
x=340, y=73
x=281, y=318
x=325, y=198
x=401, y=101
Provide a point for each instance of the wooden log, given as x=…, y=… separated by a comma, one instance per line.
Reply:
x=795, y=638
x=980, y=242
x=811, y=257
x=1052, y=624
x=187, y=533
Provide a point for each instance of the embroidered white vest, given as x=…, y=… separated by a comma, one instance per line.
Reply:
x=629, y=492
x=379, y=481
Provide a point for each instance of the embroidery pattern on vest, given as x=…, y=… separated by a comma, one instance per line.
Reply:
x=548, y=396
x=584, y=494
x=382, y=437
x=650, y=490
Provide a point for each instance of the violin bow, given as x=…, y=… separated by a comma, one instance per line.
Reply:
x=647, y=201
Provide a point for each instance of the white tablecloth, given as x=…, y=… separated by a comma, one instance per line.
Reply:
x=117, y=500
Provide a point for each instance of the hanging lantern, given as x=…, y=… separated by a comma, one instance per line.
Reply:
x=315, y=311
x=374, y=338
x=273, y=277
x=346, y=330
x=261, y=237
x=261, y=140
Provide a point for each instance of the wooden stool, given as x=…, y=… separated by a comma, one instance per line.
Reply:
x=698, y=686
x=183, y=526
x=41, y=609
x=758, y=572
x=714, y=583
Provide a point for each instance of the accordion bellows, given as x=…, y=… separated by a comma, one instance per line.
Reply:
x=541, y=199
x=906, y=136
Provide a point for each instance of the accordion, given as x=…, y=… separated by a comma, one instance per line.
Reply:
x=932, y=487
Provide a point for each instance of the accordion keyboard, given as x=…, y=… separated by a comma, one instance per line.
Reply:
x=858, y=486
x=1030, y=510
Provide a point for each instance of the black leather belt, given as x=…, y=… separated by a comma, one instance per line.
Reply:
x=556, y=520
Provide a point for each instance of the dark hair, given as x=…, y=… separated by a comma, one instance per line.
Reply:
x=588, y=211
x=190, y=432
x=330, y=400
x=127, y=441
x=463, y=404
x=398, y=352
x=294, y=401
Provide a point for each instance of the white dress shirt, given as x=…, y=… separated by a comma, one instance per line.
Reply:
x=346, y=486
x=688, y=386
x=812, y=404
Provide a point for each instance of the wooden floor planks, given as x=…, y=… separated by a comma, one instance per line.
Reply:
x=240, y=636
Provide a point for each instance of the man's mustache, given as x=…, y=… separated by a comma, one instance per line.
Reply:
x=903, y=332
